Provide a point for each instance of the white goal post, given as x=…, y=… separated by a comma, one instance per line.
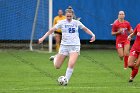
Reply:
x=35, y=23
x=50, y=23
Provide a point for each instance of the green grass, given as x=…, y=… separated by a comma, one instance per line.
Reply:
x=96, y=71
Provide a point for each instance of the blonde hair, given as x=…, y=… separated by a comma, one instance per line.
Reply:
x=69, y=11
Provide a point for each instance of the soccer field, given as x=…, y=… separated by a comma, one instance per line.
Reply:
x=96, y=71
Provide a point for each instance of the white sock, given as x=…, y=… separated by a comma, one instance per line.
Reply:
x=54, y=61
x=69, y=72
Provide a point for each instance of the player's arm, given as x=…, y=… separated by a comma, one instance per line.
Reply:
x=90, y=33
x=130, y=31
x=130, y=36
x=47, y=34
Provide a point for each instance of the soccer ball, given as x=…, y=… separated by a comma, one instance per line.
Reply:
x=62, y=80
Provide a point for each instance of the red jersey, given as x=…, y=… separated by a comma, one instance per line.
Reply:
x=122, y=37
x=136, y=44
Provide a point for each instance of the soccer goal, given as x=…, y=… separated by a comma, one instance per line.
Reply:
x=42, y=22
x=23, y=22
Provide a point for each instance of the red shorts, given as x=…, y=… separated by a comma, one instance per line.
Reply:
x=122, y=44
x=134, y=53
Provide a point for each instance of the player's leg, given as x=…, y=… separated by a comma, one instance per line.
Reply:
x=73, y=56
x=137, y=64
x=57, y=40
x=133, y=56
x=135, y=69
x=120, y=53
x=131, y=61
x=71, y=63
x=60, y=57
x=126, y=54
x=58, y=60
x=131, y=64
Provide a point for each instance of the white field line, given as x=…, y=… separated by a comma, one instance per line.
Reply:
x=66, y=87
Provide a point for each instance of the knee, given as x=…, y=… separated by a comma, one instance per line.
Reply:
x=57, y=67
x=58, y=38
x=126, y=53
x=130, y=64
x=121, y=55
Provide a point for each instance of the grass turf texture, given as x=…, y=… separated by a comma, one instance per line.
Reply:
x=96, y=71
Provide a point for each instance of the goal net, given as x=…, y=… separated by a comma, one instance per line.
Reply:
x=23, y=22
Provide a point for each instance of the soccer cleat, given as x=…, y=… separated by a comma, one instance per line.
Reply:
x=131, y=79
x=52, y=58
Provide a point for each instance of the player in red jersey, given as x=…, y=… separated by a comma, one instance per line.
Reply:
x=134, y=57
x=120, y=29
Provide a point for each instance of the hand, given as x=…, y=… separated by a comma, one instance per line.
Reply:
x=92, y=39
x=129, y=38
x=120, y=30
x=40, y=40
